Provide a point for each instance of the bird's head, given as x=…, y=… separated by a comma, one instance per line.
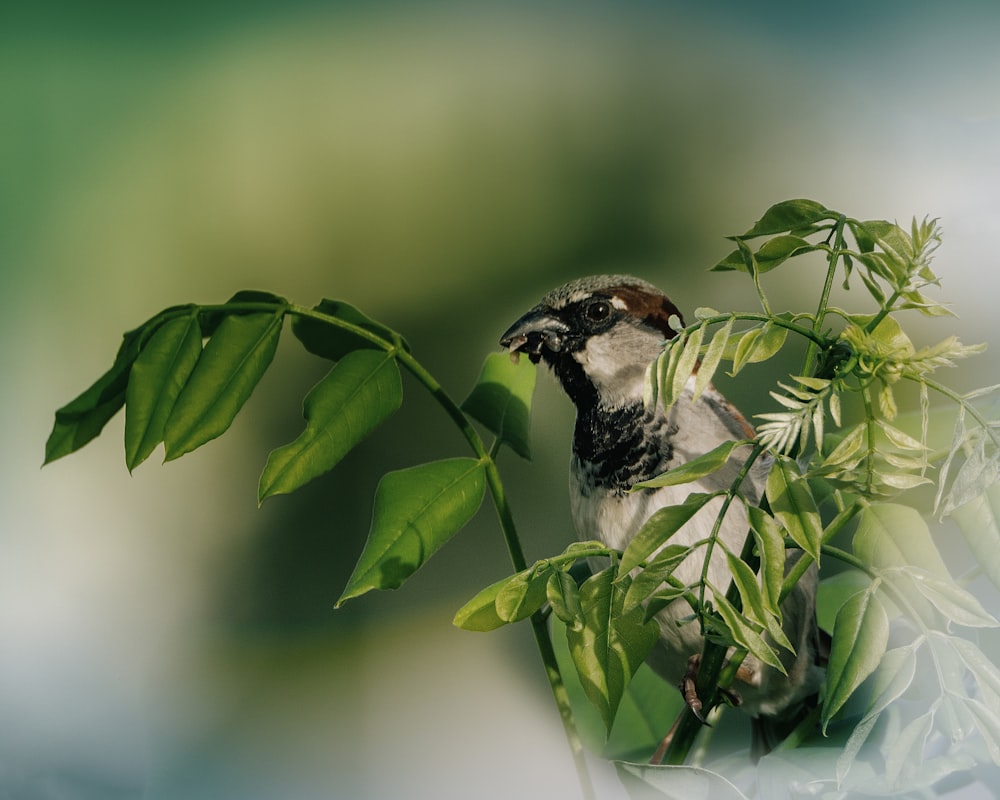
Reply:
x=598, y=334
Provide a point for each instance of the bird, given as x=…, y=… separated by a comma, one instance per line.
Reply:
x=599, y=335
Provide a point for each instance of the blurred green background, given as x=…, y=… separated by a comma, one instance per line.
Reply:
x=440, y=166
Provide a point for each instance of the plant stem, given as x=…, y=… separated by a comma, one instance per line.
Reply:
x=539, y=628
x=824, y=299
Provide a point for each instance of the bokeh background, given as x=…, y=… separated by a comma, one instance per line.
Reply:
x=439, y=165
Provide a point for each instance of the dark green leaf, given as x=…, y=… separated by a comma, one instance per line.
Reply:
x=793, y=505
x=859, y=640
x=501, y=400
x=833, y=592
x=610, y=645
x=328, y=340
x=158, y=376
x=416, y=511
x=361, y=391
x=84, y=417
x=696, y=468
x=246, y=301
x=229, y=369
x=787, y=216
x=658, y=529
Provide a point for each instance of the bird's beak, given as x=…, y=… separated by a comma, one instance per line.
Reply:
x=534, y=332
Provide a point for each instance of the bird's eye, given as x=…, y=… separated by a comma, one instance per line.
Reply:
x=598, y=311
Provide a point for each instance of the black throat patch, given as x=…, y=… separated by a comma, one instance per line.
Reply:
x=620, y=447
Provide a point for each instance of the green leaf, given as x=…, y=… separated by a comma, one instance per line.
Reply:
x=745, y=349
x=893, y=677
x=771, y=547
x=781, y=248
x=416, y=511
x=772, y=338
x=712, y=461
x=833, y=592
x=651, y=577
x=501, y=400
x=158, y=376
x=744, y=634
x=686, y=360
x=480, y=613
x=894, y=535
x=328, y=340
x=361, y=391
x=906, y=749
x=564, y=596
x=523, y=594
x=210, y=318
x=658, y=529
x=610, y=645
x=860, y=636
x=793, y=505
x=754, y=607
x=789, y=215
x=232, y=363
x=83, y=418
x=713, y=356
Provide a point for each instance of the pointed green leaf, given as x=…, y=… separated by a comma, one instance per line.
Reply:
x=893, y=677
x=232, y=363
x=416, y=511
x=771, y=547
x=772, y=338
x=793, y=505
x=789, y=215
x=712, y=461
x=652, y=576
x=859, y=640
x=658, y=529
x=328, y=340
x=906, y=749
x=610, y=645
x=361, y=391
x=713, y=356
x=686, y=360
x=745, y=349
x=744, y=634
x=501, y=400
x=753, y=601
x=83, y=418
x=158, y=376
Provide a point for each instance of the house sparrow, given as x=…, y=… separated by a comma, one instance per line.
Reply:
x=599, y=336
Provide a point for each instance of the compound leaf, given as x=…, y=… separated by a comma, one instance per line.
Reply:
x=361, y=391
x=416, y=511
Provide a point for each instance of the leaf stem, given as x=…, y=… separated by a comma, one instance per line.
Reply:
x=824, y=299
